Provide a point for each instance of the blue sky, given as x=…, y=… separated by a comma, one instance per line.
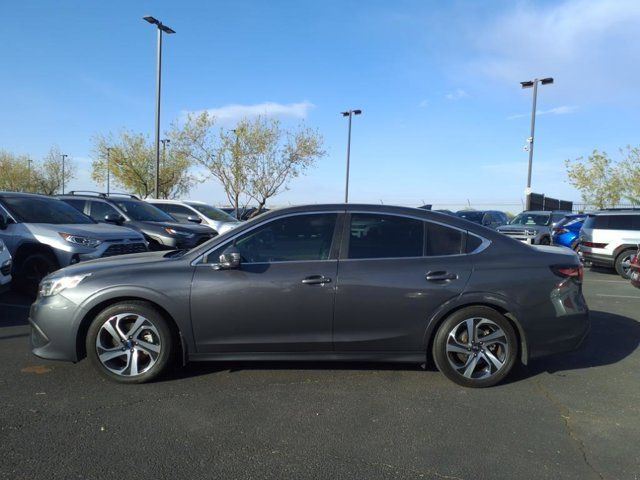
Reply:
x=444, y=118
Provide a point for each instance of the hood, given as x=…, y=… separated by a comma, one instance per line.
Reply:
x=118, y=261
x=100, y=231
x=160, y=226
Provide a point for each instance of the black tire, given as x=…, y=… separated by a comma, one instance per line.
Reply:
x=162, y=337
x=622, y=259
x=32, y=269
x=490, y=318
x=545, y=241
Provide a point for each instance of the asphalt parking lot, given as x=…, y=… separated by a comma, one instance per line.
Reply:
x=570, y=416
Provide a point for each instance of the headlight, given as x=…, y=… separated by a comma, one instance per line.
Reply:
x=79, y=240
x=56, y=285
x=173, y=231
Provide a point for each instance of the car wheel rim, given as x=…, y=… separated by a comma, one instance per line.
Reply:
x=626, y=264
x=477, y=348
x=128, y=344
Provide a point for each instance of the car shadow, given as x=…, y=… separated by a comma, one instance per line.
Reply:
x=612, y=338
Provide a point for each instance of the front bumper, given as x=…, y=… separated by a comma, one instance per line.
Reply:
x=54, y=326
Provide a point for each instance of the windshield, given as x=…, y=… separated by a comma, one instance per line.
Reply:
x=531, y=219
x=44, y=210
x=143, y=212
x=212, y=212
x=471, y=216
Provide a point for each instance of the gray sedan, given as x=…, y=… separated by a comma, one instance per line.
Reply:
x=323, y=282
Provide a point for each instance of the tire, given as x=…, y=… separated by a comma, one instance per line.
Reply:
x=623, y=262
x=456, y=358
x=130, y=342
x=545, y=241
x=32, y=269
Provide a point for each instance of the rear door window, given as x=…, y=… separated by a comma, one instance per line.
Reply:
x=101, y=209
x=620, y=222
x=385, y=236
x=443, y=240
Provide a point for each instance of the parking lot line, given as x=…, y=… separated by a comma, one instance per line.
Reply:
x=637, y=297
x=609, y=281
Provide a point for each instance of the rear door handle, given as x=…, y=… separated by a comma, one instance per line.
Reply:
x=440, y=276
x=316, y=280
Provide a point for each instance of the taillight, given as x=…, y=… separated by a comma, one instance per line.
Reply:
x=593, y=245
x=576, y=272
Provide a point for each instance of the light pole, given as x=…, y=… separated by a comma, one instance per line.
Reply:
x=349, y=113
x=528, y=84
x=164, y=141
x=108, y=167
x=161, y=28
x=64, y=155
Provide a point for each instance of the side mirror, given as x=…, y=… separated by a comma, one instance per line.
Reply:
x=114, y=218
x=194, y=219
x=230, y=259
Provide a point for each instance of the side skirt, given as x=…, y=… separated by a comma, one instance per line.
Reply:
x=395, y=357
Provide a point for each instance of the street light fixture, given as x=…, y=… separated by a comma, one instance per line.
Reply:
x=161, y=28
x=529, y=84
x=350, y=114
x=63, y=155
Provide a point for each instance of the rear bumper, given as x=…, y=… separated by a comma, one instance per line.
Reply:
x=597, y=259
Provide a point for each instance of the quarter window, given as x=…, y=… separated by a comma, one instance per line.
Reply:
x=385, y=236
x=296, y=238
x=101, y=209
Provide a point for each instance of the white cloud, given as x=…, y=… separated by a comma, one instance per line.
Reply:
x=269, y=109
x=586, y=45
x=561, y=110
x=456, y=95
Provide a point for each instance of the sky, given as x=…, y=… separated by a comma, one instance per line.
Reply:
x=444, y=118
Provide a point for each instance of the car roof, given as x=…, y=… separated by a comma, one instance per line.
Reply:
x=617, y=212
x=23, y=194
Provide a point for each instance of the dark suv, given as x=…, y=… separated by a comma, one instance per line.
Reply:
x=488, y=218
x=160, y=229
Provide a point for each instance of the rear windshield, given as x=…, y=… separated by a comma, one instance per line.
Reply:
x=613, y=222
x=43, y=210
x=142, y=211
x=531, y=219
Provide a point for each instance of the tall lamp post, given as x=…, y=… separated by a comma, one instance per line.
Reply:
x=529, y=84
x=350, y=114
x=161, y=29
x=164, y=141
x=64, y=155
x=108, y=168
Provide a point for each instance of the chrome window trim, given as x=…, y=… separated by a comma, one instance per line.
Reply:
x=198, y=260
x=8, y=214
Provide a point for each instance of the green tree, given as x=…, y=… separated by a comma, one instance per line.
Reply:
x=132, y=166
x=629, y=170
x=47, y=176
x=14, y=172
x=597, y=178
x=255, y=161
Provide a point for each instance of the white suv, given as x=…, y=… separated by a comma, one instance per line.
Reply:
x=610, y=238
x=197, y=212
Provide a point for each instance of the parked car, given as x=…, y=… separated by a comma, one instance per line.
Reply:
x=566, y=233
x=5, y=267
x=634, y=274
x=488, y=218
x=325, y=282
x=161, y=230
x=197, y=212
x=44, y=234
x=533, y=227
x=610, y=238
x=243, y=213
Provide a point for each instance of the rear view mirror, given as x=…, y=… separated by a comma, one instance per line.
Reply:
x=194, y=219
x=230, y=259
x=114, y=218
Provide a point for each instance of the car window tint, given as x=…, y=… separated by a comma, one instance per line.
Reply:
x=442, y=240
x=620, y=222
x=75, y=203
x=100, y=209
x=296, y=238
x=385, y=236
x=473, y=243
x=178, y=212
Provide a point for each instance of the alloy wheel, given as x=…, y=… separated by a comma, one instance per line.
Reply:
x=625, y=264
x=477, y=348
x=128, y=344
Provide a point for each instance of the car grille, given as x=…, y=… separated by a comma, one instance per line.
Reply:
x=124, y=248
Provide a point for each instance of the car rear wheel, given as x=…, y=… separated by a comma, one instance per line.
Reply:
x=623, y=263
x=130, y=342
x=475, y=347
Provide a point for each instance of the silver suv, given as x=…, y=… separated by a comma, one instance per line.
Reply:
x=533, y=227
x=197, y=212
x=44, y=234
x=610, y=238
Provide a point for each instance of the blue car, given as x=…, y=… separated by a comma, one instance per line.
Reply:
x=567, y=231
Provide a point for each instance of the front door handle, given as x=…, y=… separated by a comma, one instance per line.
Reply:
x=316, y=280
x=440, y=276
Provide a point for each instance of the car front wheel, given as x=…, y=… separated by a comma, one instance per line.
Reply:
x=130, y=342
x=623, y=263
x=475, y=347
